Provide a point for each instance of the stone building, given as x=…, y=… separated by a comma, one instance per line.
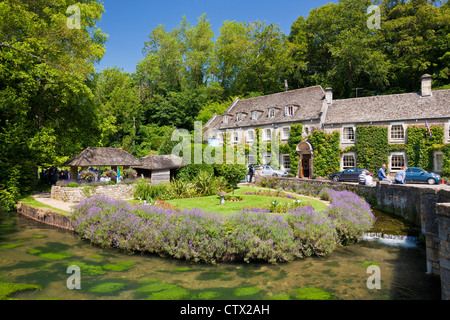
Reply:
x=316, y=109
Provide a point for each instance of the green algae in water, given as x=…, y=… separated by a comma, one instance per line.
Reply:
x=155, y=287
x=279, y=297
x=207, y=295
x=210, y=275
x=34, y=251
x=367, y=264
x=109, y=287
x=56, y=256
x=95, y=256
x=246, y=291
x=87, y=269
x=6, y=289
x=10, y=245
x=119, y=266
x=311, y=294
x=175, y=293
x=151, y=280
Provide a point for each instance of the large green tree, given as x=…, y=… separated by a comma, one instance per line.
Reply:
x=45, y=102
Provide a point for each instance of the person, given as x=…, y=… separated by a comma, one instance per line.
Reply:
x=382, y=174
x=400, y=177
x=362, y=178
x=251, y=172
x=369, y=179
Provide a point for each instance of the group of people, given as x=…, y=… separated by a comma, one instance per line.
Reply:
x=400, y=177
x=51, y=175
x=366, y=178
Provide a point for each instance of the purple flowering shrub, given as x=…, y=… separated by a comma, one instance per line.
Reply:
x=256, y=234
x=196, y=235
x=351, y=215
x=313, y=230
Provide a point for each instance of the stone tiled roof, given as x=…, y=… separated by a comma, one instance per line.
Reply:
x=307, y=103
x=161, y=162
x=102, y=157
x=397, y=107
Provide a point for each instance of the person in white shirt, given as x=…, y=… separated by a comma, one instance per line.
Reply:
x=369, y=179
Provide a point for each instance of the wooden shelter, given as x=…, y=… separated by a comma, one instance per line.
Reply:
x=101, y=157
x=159, y=168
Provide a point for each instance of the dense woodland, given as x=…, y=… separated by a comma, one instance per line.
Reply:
x=53, y=103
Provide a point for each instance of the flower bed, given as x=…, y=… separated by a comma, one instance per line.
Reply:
x=250, y=235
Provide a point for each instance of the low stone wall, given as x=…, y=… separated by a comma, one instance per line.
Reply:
x=74, y=195
x=443, y=213
x=45, y=216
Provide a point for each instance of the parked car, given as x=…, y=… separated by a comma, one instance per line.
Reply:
x=347, y=175
x=418, y=175
x=269, y=171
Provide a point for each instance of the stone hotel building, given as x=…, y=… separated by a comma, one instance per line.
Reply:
x=316, y=109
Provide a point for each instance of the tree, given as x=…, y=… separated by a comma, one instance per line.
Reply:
x=46, y=106
x=118, y=108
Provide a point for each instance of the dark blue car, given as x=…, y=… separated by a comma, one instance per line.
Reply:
x=418, y=175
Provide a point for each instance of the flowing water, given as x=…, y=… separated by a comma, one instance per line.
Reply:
x=31, y=253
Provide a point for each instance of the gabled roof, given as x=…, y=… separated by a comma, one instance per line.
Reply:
x=102, y=157
x=160, y=162
x=396, y=107
x=309, y=102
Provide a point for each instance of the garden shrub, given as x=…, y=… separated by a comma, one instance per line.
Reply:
x=313, y=230
x=253, y=234
x=73, y=185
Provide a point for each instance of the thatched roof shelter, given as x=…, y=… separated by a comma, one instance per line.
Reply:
x=103, y=157
x=160, y=162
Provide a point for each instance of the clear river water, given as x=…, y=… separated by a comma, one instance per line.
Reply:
x=32, y=253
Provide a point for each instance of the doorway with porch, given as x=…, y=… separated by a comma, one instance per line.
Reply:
x=305, y=153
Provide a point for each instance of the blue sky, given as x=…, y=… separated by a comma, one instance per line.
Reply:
x=128, y=23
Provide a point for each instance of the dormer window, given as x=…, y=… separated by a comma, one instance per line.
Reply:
x=271, y=113
x=254, y=115
x=225, y=119
x=239, y=117
x=289, y=111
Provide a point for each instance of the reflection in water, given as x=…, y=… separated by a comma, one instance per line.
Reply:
x=32, y=253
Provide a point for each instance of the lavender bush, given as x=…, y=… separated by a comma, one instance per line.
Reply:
x=196, y=235
x=351, y=215
x=313, y=230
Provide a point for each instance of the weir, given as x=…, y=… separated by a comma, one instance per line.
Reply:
x=428, y=207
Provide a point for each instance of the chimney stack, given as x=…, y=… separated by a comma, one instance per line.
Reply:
x=329, y=95
x=426, y=85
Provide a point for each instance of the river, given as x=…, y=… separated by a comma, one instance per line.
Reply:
x=31, y=253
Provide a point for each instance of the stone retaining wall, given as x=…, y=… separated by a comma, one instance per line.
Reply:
x=74, y=195
x=443, y=213
x=45, y=216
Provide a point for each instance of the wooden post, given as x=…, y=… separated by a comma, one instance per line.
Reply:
x=74, y=173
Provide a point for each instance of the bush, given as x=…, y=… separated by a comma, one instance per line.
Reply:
x=313, y=230
x=73, y=185
x=351, y=215
x=253, y=234
x=129, y=174
x=87, y=176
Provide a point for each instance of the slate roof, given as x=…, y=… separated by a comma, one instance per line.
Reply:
x=396, y=107
x=307, y=102
x=160, y=162
x=102, y=157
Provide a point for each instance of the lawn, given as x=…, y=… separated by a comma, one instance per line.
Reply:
x=32, y=202
x=212, y=203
